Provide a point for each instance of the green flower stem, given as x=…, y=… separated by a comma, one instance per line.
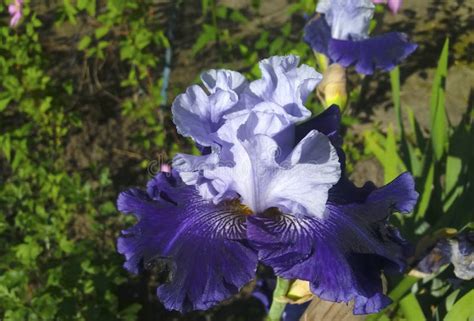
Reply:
x=322, y=61
x=278, y=306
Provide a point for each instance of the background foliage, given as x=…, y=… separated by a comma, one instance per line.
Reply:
x=85, y=94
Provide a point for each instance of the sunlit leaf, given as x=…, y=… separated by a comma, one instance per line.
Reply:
x=463, y=309
x=411, y=308
x=425, y=196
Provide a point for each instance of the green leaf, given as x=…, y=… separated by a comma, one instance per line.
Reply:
x=395, y=82
x=393, y=166
x=208, y=35
x=451, y=188
x=88, y=5
x=143, y=39
x=101, y=31
x=237, y=16
x=411, y=308
x=262, y=41
x=450, y=300
x=205, y=6
x=463, y=309
x=426, y=194
x=439, y=130
x=70, y=11
x=4, y=102
x=221, y=12
x=84, y=43
x=130, y=313
x=45, y=104
x=28, y=251
x=402, y=287
x=415, y=157
x=385, y=150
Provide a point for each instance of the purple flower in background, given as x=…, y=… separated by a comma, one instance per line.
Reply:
x=266, y=188
x=458, y=250
x=394, y=5
x=340, y=30
x=15, y=10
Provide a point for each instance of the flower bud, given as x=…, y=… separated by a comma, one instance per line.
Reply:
x=332, y=89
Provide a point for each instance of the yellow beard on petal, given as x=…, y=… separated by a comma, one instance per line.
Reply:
x=238, y=207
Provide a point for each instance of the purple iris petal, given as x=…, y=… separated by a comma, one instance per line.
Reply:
x=317, y=34
x=203, y=244
x=342, y=254
x=328, y=123
x=382, y=52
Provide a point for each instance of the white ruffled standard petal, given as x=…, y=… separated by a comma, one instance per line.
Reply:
x=348, y=19
x=199, y=115
x=286, y=85
x=299, y=184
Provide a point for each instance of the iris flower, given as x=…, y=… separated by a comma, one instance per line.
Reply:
x=270, y=186
x=458, y=250
x=15, y=10
x=340, y=30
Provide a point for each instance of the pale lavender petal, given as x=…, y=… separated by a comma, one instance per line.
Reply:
x=224, y=79
x=265, y=118
x=199, y=115
x=286, y=85
x=192, y=115
x=298, y=184
x=348, y=19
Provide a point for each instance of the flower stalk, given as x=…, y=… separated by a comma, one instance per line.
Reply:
x=278, y=303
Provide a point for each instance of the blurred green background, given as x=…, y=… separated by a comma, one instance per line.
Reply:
x=85, y=93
